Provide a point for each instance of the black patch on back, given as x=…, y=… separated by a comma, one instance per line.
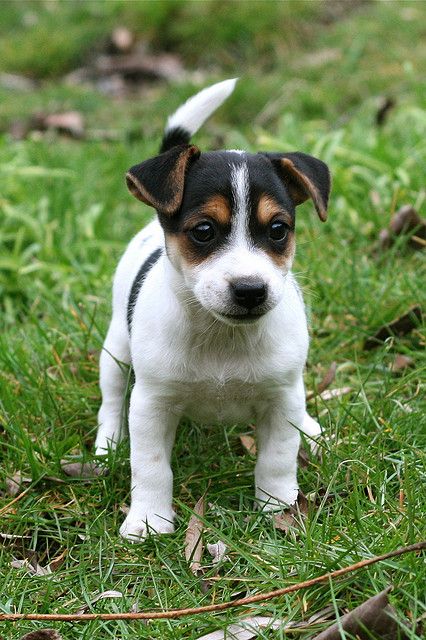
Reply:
x=138, y=282
x=174, y=137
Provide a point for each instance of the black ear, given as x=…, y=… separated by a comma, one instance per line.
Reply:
x=160, y=181
x=305, y=177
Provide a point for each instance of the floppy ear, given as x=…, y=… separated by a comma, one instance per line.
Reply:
x=159, y=181
x=305, y=177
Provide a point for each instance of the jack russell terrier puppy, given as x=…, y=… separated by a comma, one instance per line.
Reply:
x=207, y=312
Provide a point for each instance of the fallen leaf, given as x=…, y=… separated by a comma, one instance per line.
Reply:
x=31, y=566
x=375, y=617
x=290, y=518
x=193, y=541
x=249, y=444
x=70, y=123
x=246, y=629
x=13, y=484
x=82, y=469
x=325, y=382
x=329, y=394
x=401, y=362
x=138, y=66
x=101, y=596
x=405, y=221
x=217, y=551
x=398, y=327
x=42, y=634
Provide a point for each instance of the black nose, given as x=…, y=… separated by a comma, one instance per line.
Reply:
x=249, y=294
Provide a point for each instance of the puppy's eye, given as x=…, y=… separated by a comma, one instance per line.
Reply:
x=203, y=232
x=278, y=230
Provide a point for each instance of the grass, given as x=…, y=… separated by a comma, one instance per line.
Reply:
x=65, y=219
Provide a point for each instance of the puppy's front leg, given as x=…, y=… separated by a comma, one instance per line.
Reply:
x=152, y=428
x=278, y=446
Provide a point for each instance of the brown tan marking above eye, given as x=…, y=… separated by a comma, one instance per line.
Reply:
x=268, y=208
x=217, y=207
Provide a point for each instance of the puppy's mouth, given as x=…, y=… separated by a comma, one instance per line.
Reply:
x=240, y=318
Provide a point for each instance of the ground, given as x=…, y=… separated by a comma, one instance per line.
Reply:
x=313, y=76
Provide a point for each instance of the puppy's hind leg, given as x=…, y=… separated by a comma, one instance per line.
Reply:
x=115, y=356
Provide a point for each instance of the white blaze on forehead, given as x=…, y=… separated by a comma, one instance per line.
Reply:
x=241, y=196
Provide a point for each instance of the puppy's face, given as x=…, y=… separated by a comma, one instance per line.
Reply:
x=232, y=235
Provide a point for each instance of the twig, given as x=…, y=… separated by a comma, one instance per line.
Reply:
x=211, y=608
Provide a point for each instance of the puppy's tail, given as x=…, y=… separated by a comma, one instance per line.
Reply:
x=191, y=115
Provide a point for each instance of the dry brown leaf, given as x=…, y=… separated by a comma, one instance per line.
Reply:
x=328, y=378
x=100, y=596
x=329, y=394
x=70, y=123
x=31, y=566
x=217, y=551
x=42, y=634
x=82, y=469
x=193, y=541
x=140, y=66
x=405, y=220
x=290, y=518
x=375, y=616
x=401, y=362
x=398, y=327
x=249, y=444
x=13, y=484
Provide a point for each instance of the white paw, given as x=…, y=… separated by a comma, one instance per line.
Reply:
x=310, y=426
x=313, y=430
x=136, y=529
x=276, y=499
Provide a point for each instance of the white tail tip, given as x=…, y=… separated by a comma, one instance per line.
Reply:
x=191, y=115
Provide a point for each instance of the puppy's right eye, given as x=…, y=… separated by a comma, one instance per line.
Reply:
x=203, y=232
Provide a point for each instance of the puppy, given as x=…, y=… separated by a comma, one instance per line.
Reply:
x=207, y=311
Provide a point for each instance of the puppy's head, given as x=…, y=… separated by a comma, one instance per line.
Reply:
x=228, y=219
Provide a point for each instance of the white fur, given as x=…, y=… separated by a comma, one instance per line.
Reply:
x=189, y=361
x=191, y=115
x=240, y=189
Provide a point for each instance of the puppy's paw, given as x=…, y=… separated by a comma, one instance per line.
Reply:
x=310, y=426
x=277, y=499
x=136, y=529
x=313, y=430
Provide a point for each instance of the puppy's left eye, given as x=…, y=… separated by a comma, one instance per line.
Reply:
x=203, y=232
x=278, y=230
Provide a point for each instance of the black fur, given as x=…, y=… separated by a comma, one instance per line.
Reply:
x=137, y=283
x=174, y=137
